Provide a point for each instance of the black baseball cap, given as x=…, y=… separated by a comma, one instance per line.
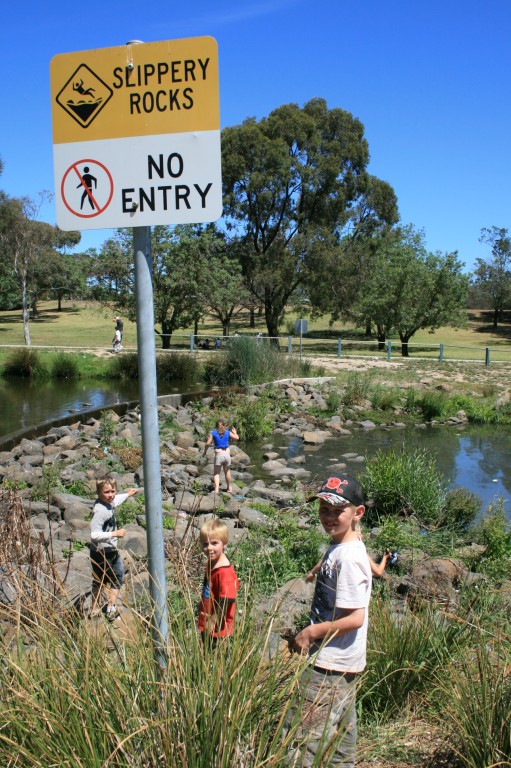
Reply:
x=339, y=490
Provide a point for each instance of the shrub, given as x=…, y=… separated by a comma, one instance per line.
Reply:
x=432, y=405
x=64, y=367
x=357, y=389
x=476, y=706
x=404, y=483
x=124, y=366
x=461, y=508
x=252, y=419
x=106, y=428
x=382, y=397
x=182, y=367
x=247, y=361
x=404, y=654
x=25, y=363
x=494, y=532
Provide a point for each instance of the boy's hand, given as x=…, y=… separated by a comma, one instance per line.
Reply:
x=120, y=534
x=131, y=491
x=302, y=641
x=310, y=576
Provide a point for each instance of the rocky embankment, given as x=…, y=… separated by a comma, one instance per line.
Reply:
x=59, y=516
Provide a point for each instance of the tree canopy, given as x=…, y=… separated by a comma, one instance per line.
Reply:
x=291, y=181
x=492, y=276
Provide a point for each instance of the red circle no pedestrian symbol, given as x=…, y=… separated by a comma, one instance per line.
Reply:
x=87, y=188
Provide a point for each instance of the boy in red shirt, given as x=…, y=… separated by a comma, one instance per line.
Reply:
x=218, y=599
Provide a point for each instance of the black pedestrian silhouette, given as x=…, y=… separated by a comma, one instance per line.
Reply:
x=87, y=182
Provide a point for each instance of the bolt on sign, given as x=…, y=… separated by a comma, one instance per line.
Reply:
x=136, y=135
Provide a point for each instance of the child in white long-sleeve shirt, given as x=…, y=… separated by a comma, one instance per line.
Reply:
x=107, y=565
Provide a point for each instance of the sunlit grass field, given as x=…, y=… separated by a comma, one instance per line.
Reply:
x=90, y=325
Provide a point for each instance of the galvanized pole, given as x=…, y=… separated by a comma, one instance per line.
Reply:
x=150, y=435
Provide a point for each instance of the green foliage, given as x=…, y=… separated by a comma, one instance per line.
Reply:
x=432, y=405
x=404, y=483
x=127, y=512
x=494, y=532
x=476, y=702
x=174, y=366
x=106, y=428
x=270, y=556
x=25, y=363
x=404, y=655
x=57, y=709
x=169, y=522
x=79, y=488
x=49, y=481
x=76, y=546
x=333, y=401
x=383, y=398
x=356, y=390
x=124, y=366
x=252, y=419
x=64, y=367
x=461, y=508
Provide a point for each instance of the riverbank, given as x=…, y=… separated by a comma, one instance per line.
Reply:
x=274, y=540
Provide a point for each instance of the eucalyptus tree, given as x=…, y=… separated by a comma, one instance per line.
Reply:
x=292, y=181
x=410, y=288
x=492, y=276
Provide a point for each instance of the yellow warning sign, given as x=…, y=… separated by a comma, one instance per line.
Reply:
x=135, y=90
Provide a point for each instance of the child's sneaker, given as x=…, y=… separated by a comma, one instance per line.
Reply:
x=112, y=613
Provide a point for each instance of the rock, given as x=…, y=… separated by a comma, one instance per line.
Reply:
x=318, y=437
x=249, y=516
x=78, y=530
x=29, y=447
x=185, y=440
x=269, y=466
x=135, y=542
x=367, y=424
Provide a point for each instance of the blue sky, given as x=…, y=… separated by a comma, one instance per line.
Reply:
x=430, y=81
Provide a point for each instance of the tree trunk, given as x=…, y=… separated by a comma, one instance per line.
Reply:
x=59, y=305
x=495, y=317
x=369, y=330
x=252, y=317
x=226, y=327
x=26, y=309
x=166, y=331
x=380, y=335
x=404, y=346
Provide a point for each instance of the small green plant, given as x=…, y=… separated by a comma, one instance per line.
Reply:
x=252, y=419
x=333, y=401
x=382, y=398
x=106, y=428
x=64, y=367
x=49, y=481
x=356, y=390
x=76, y=546
x=461, y=508
x=169, y=522
x=79, y=488
x=494, y=532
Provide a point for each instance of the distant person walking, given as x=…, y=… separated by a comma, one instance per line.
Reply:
x=119, y=325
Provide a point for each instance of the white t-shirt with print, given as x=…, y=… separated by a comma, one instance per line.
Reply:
x=343, y=582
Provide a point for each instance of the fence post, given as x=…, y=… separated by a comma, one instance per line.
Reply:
x=289, y=345
x=191, y=342
x=487, y=360
x=339, y=347
x=441, y=353
x=389, y=349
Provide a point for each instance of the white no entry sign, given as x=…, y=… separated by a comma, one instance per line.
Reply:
x=137, y=135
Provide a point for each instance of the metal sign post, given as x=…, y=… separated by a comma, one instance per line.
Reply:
x=150, y=435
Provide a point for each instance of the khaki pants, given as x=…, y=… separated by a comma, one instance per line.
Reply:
x=327, y=733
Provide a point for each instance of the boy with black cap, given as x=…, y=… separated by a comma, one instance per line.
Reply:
x=336, y=636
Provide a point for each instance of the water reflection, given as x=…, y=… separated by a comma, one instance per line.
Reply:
x=28, y=403
x=477, y=458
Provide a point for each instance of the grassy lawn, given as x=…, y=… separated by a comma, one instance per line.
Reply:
x=89, y=324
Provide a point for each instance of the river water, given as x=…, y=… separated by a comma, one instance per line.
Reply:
x=477, y=458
